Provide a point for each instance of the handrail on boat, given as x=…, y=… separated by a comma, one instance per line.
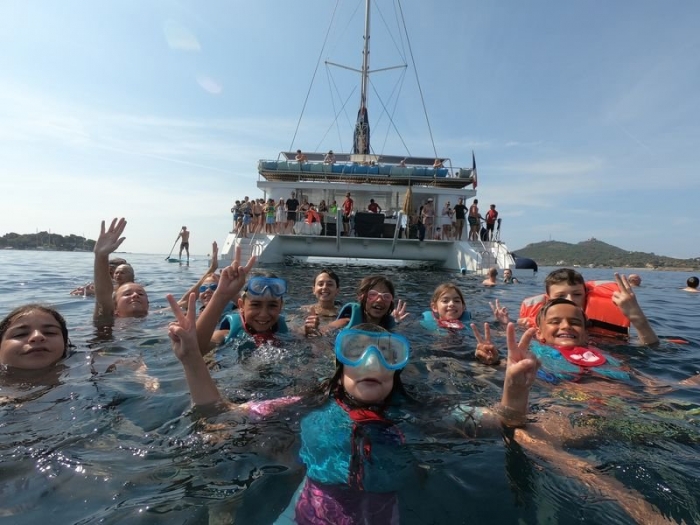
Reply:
x=338, y=226
x=397, y=229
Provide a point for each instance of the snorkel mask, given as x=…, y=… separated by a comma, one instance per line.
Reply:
x=353, y=348
x=265, y=285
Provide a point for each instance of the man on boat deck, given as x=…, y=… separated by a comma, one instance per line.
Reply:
x=374, y=207
x=301, y=157
x=292, y=205
x=460, y=214
x=184, y=237
x=348, y=205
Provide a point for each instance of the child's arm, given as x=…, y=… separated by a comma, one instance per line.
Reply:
x=108, y=241
x=627, y=302
x=212, y=268
x=183, y=339
x=231, y=282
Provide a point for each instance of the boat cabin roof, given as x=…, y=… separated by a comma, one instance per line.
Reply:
x=381, y=159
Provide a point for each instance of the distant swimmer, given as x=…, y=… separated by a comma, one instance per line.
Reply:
x=692, y=284
x=184, y=237
x=634, y=279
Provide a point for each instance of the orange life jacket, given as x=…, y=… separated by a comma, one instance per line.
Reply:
x=604, y=316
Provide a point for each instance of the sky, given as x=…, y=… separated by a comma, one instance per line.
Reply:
x=584, y=117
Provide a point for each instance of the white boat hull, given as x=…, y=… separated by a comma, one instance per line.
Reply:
x=463, y=256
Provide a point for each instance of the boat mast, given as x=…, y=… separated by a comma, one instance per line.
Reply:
x=361, y=137
x=365, y=58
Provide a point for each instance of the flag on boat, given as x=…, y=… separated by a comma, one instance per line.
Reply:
x=361, y=140
x=474, y=169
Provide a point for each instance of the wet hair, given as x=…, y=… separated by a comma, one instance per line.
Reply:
x=493, y=272
x=446, y=287
x=369, y=283
x=33, y=307
x=212, y=275
x=554, y=302
x=563, y=276
x=131, y=276
x=330, y=274
x=693, y=282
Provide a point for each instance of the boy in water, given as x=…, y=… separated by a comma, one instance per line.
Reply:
x=569, y=284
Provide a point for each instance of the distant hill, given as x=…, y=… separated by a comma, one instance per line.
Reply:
x=597, y=253
x=46, y=241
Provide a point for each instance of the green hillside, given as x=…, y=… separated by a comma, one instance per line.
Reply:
x=597, y=253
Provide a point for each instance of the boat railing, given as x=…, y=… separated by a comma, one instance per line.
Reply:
x=338, y=227
x=350, y=169
x=397, y=229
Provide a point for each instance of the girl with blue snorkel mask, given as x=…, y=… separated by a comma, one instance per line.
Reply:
x=353, y=449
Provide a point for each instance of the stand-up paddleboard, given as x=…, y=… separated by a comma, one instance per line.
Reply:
x=176, y=260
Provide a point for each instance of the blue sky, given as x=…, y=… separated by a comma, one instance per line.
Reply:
x=584, y=116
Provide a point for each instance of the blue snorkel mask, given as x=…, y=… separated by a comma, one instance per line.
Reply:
x=266, y=285
x=353, y=348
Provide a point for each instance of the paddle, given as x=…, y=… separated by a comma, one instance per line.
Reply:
x=171, y=249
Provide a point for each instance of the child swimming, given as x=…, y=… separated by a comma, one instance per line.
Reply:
x=352, y=445
x=375, y=305
x=33, y=337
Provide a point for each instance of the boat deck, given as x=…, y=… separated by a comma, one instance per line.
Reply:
x=295, y=172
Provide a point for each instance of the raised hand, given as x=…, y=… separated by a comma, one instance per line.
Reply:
x=182, y=332
x=624, y=298
x=626, y=301
x=522, y=364
x=110, y=239
x=521, y=372
x=312, y=322
x=399, y=312
x=486, y=351
x=499, y=312
x=233, y=277
x=214, y=257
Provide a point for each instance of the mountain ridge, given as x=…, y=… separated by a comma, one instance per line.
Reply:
x=593, y=252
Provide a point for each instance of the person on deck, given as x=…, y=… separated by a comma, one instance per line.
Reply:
x=374, y=207
x=348, y=205
x=491, y=217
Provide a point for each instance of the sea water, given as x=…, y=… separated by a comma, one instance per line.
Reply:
x=109, y=436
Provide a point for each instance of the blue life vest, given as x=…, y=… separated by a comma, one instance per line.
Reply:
x=326, y=449
x=234, y=324
x=430, y=322
x=354, y=312
x=555, y=368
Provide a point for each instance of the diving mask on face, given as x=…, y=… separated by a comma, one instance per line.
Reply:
x=261, y=285
x=353, y=347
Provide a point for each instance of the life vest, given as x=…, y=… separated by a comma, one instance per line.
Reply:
x=312, y=216
x=430, y=322
x=556, y=368
x=354, y=312
x=234, y=323
x=604, y=316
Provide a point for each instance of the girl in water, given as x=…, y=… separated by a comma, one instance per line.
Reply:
x=375, y=305
x=33, y=337
x=448, y=314
x=352, y=443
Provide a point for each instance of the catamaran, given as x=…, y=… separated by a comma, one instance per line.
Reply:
x=398, y=184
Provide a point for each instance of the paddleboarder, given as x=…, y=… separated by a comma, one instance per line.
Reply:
x=184, y=237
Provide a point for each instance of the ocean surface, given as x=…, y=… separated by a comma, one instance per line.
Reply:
x=108, y=437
